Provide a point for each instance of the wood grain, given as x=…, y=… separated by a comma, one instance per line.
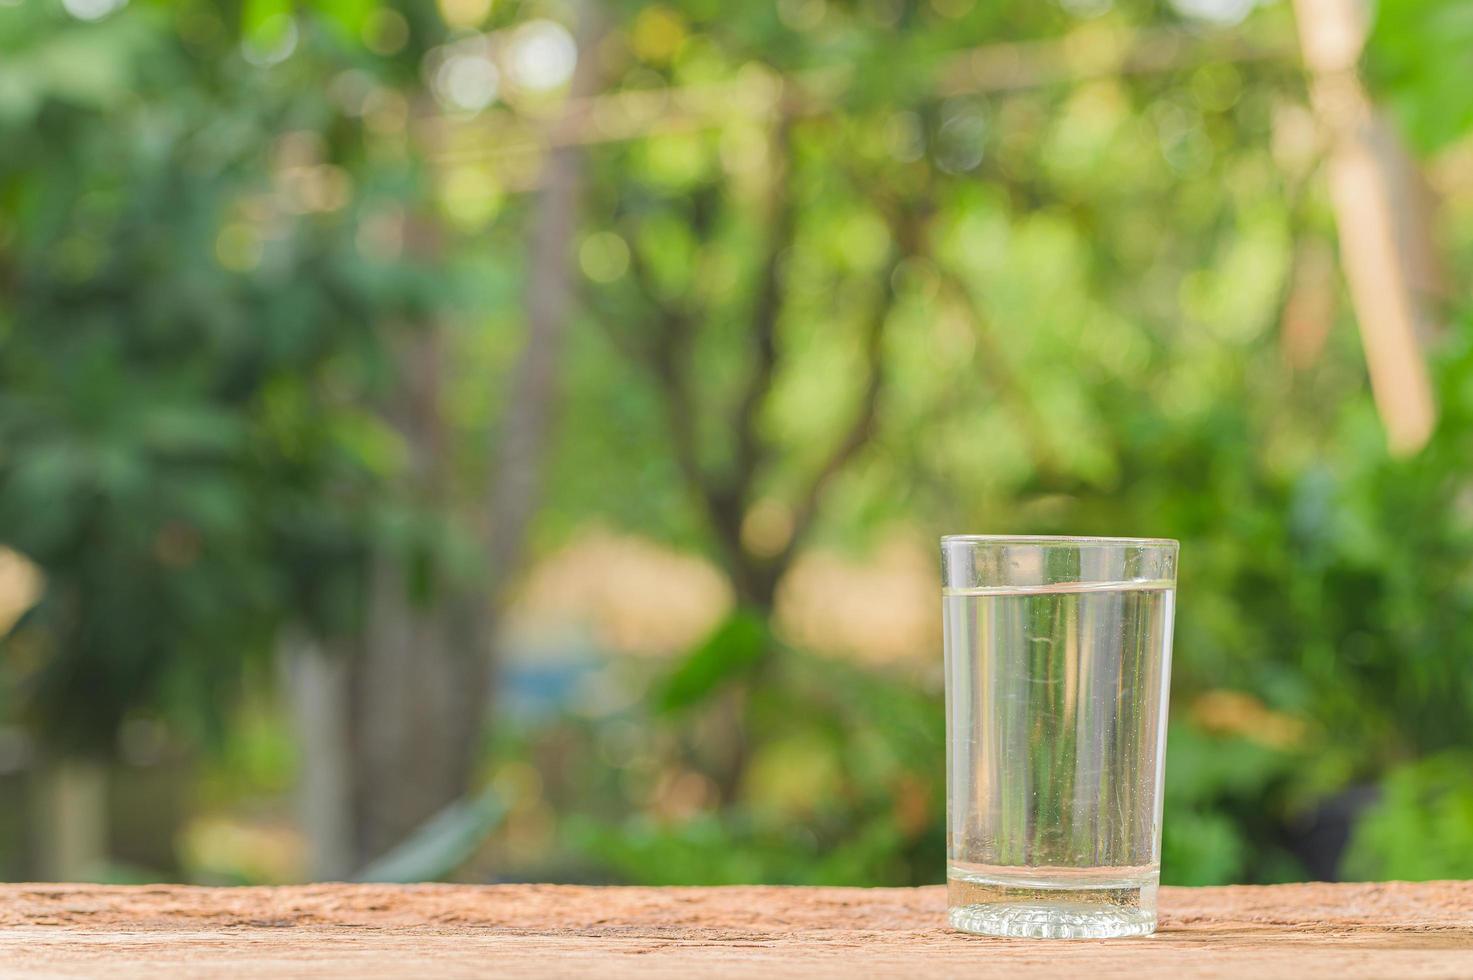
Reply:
x=432, y=931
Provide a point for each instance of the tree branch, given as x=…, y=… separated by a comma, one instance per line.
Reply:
x=665, y=358
x=765, y=314
x=862, y=427
x=995, y=367
x=723, y=496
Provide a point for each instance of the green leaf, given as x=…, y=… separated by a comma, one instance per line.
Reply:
x=369, y=441
x=736, y=646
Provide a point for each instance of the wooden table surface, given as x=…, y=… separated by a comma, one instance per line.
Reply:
x=434, y=931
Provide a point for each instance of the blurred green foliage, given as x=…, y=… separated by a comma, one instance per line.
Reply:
x=189, y=363
x=843, y=787
x=1220, y=813
x=220, y=223
x=1423, y=827
x=1420, y=54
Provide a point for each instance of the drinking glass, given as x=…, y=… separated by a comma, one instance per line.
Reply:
x=1058, y=662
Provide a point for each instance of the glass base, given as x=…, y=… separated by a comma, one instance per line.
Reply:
x=1052, y=906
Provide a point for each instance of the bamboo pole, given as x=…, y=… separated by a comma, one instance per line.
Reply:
x=1385, y=244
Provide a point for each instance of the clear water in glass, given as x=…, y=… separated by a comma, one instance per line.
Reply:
x=1056, y=710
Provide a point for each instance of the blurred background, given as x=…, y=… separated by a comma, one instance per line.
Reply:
x=502, y=440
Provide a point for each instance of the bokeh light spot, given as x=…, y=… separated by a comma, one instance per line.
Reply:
x=658, y=33
x=238, y=247
x=905, y=136
x=953, y=9
x=385, y=31
x=92, y=9
x=802, y=15
x=1221, y=12
x=863, y=240
x=464, y=14
x=469, y=197
x=886, y=13
x=767, y=527
x=961, y=141
x=1087, y=8
x=603, y=256
x=272, y=43
x=466, y=81
x=542, y=56
x=1216, y=86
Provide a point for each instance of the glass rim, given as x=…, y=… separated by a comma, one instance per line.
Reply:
x=1060, y=540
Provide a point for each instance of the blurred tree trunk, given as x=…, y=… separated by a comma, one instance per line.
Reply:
x=414, y=697
x=389, y=720
x=71, y=826
x=317, y=696
x=417, y=688
x=418, y=708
